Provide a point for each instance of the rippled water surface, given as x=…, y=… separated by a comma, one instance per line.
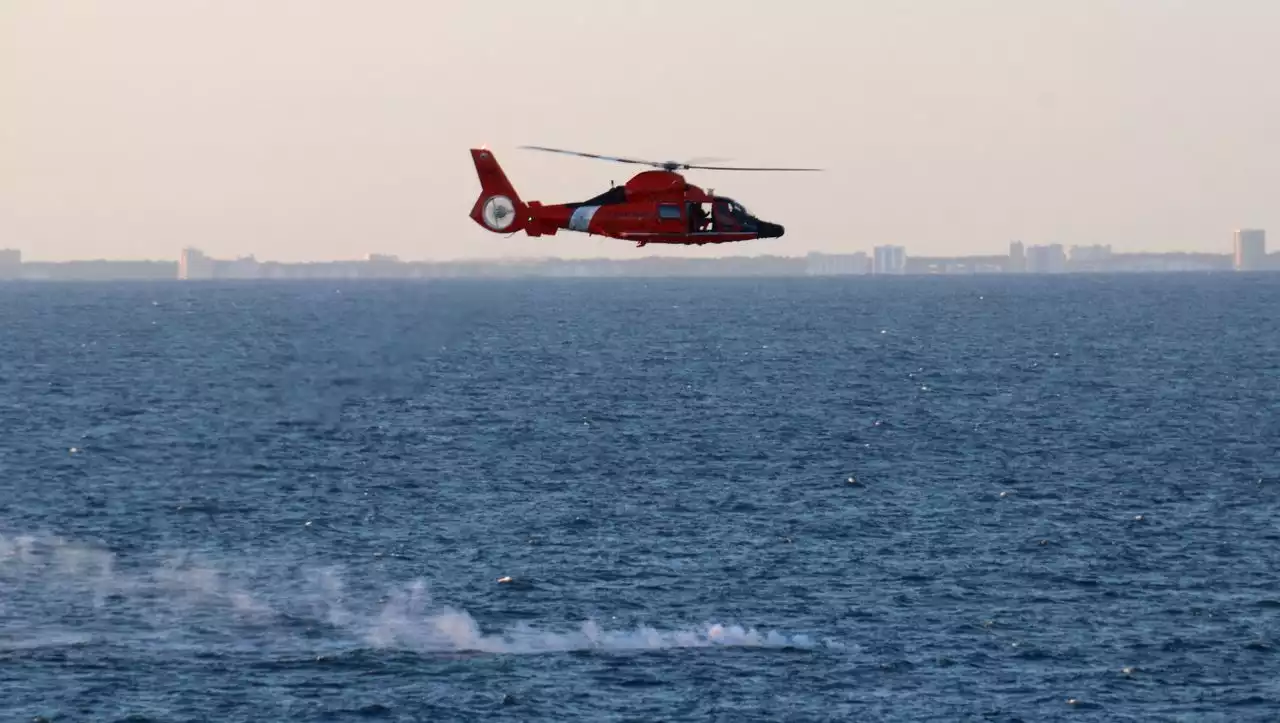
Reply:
x=631, y=500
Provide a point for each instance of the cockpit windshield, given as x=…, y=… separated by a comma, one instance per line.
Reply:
x=735, y=208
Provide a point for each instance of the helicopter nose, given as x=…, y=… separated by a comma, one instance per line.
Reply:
x=770, y=230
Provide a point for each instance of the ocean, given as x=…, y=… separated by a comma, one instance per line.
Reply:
x=874, y=499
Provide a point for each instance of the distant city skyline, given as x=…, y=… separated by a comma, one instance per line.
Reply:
x=745, y=250
x=321, y=130
x=1254, y=238
x=1247, y=248
x=1249, y=255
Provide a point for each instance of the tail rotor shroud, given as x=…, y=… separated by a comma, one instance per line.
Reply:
x=499, y=212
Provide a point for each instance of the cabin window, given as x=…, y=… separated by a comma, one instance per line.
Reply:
x=669, y=210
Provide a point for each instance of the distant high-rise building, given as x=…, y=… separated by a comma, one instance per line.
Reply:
x=889, y=260
x=193, y=264
x=1089, y=258
x=243, y=267
x=1051, y=259
x=1017, y=258
x=10, y=263
x=1250, y=249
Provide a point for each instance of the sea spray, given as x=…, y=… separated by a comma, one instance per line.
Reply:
x=100, y=592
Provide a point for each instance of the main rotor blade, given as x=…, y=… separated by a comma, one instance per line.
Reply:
x=617, y=159
x=668, y=165
x=747, y=168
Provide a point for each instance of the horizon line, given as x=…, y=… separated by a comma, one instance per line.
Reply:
x=394, y=259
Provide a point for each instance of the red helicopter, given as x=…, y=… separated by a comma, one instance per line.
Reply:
x=654, y=207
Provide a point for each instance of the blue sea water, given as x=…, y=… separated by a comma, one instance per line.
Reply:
x=550, y=500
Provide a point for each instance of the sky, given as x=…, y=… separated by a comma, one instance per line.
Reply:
x=328, y=129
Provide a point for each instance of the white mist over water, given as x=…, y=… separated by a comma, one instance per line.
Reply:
x=405, y=622
x=59, y=592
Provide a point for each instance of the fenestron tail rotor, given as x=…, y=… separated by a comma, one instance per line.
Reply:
x=666, y=165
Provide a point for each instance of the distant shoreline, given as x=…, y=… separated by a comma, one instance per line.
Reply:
x=1050, y=259
x=812, y=265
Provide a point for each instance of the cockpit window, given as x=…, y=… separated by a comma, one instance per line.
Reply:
x=735, y=208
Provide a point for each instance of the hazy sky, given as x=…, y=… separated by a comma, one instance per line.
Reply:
x=296, y=129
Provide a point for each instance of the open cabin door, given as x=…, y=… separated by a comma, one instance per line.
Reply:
x=699, y=215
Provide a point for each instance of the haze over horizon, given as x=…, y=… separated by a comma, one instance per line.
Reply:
x=326, y=129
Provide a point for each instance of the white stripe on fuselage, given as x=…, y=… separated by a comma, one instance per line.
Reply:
x=581, y=217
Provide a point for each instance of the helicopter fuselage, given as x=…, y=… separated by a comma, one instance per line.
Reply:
x=653, y=207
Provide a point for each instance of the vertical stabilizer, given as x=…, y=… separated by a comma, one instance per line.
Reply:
x=499, y=208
